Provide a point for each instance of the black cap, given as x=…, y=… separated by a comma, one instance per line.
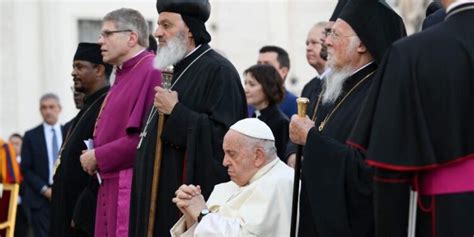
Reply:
x=90, y=52
x=340, y=5
x=375, y=23
x=199, y=9
x=194, y=13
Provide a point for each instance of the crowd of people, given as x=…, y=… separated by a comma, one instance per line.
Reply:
x=169, y=141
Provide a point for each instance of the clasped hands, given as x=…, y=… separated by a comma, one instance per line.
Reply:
x=190, y=202
x=165, y=100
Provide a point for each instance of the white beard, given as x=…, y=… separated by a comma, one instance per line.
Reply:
x=173, y=52
x=332, y=84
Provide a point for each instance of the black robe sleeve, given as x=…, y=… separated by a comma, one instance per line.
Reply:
x=201, y=132
x=338, y=185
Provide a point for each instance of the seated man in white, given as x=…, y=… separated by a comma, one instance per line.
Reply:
x=257, y=202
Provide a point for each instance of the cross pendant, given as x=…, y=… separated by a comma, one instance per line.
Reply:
x=142, y=136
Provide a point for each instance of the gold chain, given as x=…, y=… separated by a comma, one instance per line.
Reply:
x=326, y=119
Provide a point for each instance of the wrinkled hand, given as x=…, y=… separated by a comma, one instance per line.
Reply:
x=165, y=100
x=89, y=162
x=190, y=202
x=184, y=194
x=299, y=128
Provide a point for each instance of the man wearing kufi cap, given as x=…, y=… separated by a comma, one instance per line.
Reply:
x=204, y=97
x=417, y=131
x=336, y=183
x=257, y=200
x=74, y=191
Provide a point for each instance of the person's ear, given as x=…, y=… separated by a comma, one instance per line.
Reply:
x=259, y=157
x=133, y=39
x=285, y=71
x=361, y=48
x=100, y=70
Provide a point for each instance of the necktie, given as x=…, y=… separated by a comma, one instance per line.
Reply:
x=55, y=145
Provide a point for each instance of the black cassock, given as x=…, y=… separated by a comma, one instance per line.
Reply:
x=419, y=119
x=75, y=191
x=336, y=197
x=211, y=99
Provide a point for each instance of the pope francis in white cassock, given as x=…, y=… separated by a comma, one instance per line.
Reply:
x=257, y=202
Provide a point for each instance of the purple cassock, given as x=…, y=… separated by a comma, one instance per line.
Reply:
x=116, y=138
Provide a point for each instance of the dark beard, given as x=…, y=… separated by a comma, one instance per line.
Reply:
x=323, y=53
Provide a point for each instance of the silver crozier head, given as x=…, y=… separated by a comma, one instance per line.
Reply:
x=167, y=77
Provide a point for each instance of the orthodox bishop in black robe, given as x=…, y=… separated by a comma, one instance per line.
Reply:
x=336, y=192
x=211, y=98
x=417, y=130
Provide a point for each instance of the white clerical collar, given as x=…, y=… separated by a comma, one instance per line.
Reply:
x=262, y=171
x=366, y=65
x=139, y=52
x=192, y=51
x=457, y=3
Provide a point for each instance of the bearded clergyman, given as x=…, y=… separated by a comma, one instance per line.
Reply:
x=204, y=99
x=336, y=194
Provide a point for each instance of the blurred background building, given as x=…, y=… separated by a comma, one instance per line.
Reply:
x=39, y=38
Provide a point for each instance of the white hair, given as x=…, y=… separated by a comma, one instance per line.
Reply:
x=267, y=145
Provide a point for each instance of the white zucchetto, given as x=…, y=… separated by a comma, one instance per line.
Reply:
x=253, y=127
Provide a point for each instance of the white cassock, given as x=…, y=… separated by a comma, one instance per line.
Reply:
x=261, y=208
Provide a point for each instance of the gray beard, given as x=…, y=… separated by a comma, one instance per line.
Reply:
x=333, y=84
x=170, y=54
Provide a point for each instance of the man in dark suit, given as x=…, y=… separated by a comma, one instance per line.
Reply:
x=39, y=152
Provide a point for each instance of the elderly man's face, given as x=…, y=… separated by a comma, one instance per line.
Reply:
x=341, y=50
x=239, y=158
x=169, y=25
x=114, y=43
x=313, y=48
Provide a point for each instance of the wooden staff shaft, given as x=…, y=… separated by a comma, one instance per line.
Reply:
x=302, y=105
x=156, y=175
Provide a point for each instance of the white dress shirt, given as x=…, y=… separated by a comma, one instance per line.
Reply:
x=48, y=136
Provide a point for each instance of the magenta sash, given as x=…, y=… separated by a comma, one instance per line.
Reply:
x=453, y=178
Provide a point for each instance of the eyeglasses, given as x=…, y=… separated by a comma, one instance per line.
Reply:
x=326, y=32
x=332, y=33
x=107, y=33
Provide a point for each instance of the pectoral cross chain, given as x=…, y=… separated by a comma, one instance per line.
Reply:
x=142, y=136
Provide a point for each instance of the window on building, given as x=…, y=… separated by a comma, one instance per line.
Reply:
x=89, y=29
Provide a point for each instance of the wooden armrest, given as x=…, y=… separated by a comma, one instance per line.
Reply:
x=5, y=225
